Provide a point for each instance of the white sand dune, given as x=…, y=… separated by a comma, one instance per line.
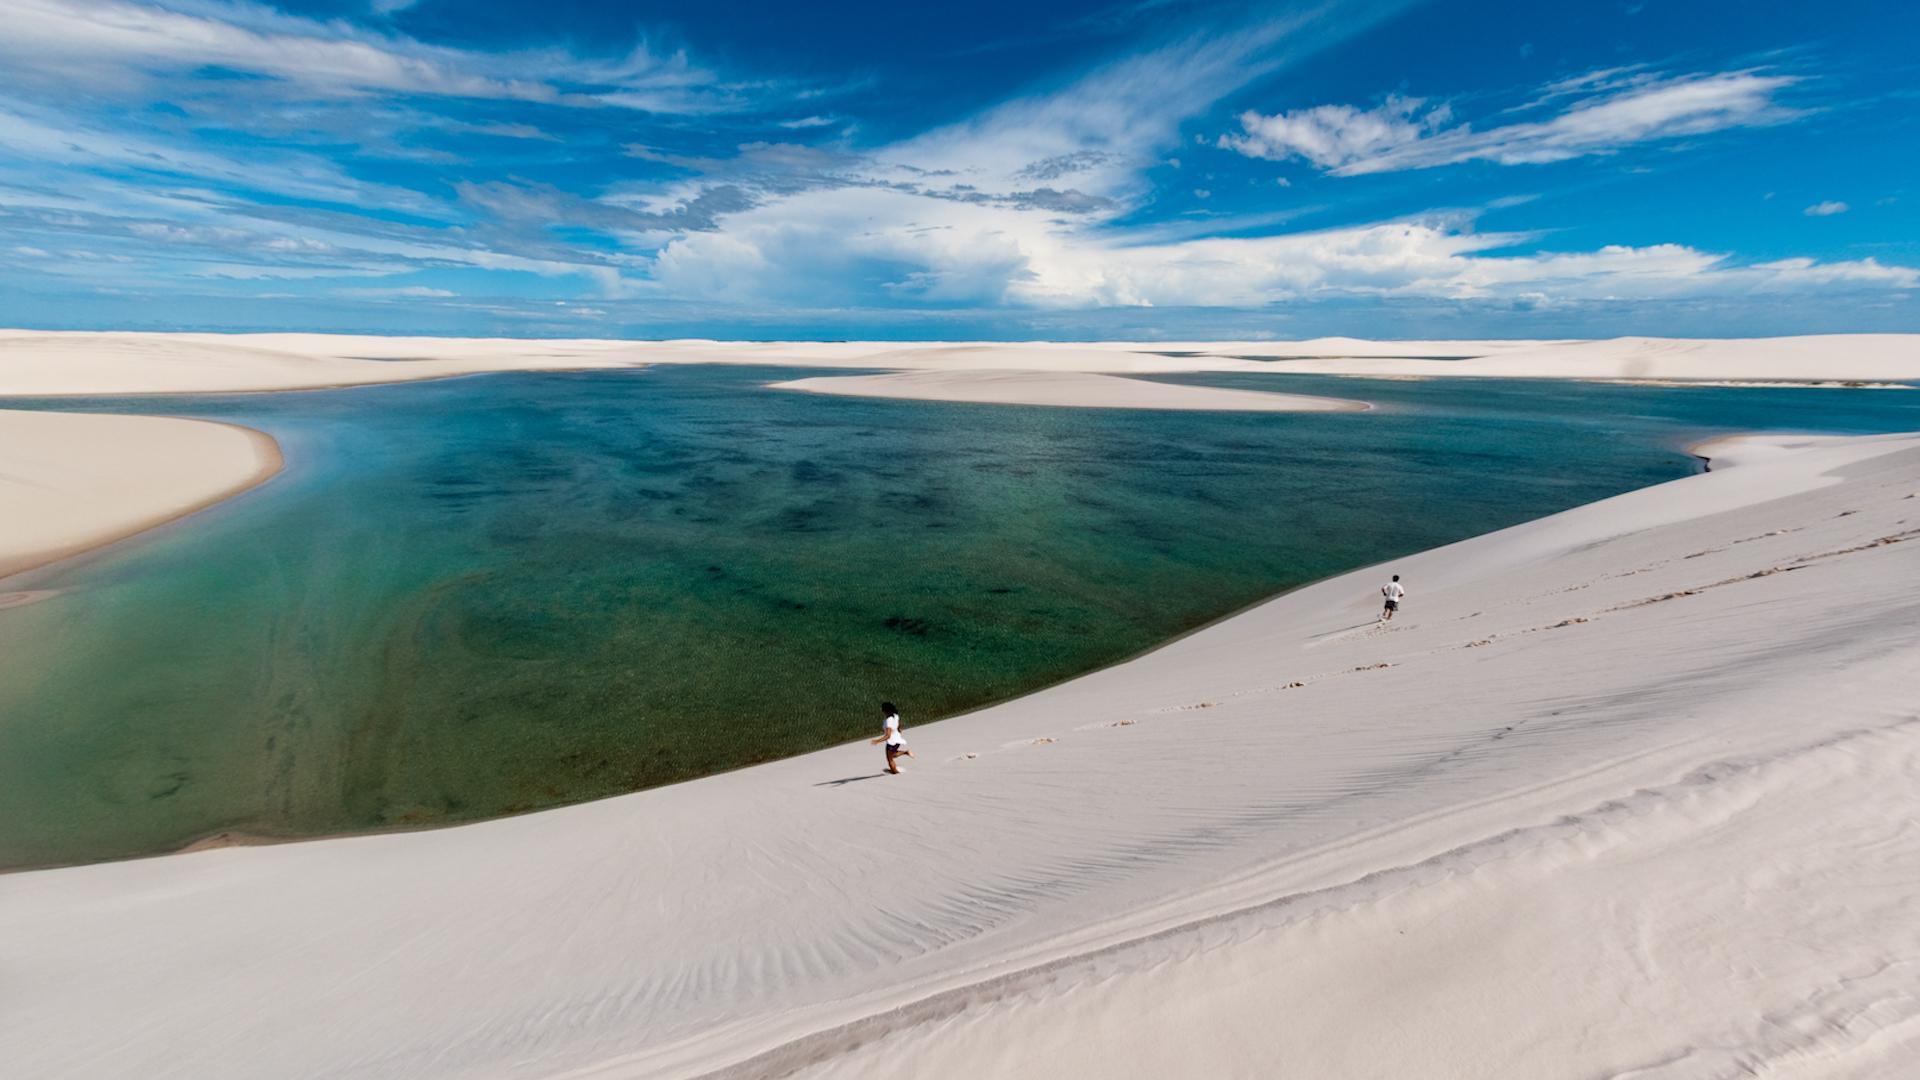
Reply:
x=1625, y=791
x=72, y=481
x=1062, y=388
x=71, y=363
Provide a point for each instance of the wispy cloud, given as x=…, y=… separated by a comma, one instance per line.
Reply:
x=117, y=43
x=1826, y=209
x=403, y=292
x=1609, y=111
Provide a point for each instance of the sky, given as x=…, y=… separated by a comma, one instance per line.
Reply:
x=1152, y=170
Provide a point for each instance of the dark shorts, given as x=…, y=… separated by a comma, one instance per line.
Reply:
x=896, y=748
x=1393, y=605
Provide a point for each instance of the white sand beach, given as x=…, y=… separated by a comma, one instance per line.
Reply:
x=1627, y=790
x=74, y=481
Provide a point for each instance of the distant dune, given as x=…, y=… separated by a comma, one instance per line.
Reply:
x=54, y=364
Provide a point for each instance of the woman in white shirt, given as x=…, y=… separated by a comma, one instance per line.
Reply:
x=890, y=734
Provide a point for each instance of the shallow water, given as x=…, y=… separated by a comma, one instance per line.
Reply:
x=486, y=595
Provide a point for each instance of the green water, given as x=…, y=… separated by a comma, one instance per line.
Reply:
x=488, y=595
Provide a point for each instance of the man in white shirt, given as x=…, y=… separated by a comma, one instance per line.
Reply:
x=1393, y=591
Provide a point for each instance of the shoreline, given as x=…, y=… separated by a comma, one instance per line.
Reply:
x=112, y=526
x=1233, y=813
x=228, y=837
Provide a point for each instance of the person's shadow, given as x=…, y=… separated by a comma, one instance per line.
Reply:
x=850, y=780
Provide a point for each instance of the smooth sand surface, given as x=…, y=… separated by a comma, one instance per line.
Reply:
x=73, y=481
x=68, y=363
x=1629, y=790
x=1063, y=388
x=1854, y=357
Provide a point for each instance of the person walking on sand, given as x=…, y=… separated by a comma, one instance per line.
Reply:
x=890, y=734
x=1393, y=591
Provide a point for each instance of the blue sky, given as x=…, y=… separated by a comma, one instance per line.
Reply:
x=1154, y=169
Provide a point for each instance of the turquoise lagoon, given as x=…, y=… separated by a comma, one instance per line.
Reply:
x=488, y=595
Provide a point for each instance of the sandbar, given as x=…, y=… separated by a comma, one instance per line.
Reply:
x=1074, y=389
x=74, y=481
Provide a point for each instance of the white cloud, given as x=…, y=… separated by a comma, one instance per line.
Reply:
x=1612, y=110
x=1826, y=209
x=939, y=219
x=809, y=122
x=1332, y=136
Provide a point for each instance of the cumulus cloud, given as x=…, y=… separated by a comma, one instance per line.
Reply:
x=1826, y=209
x=1436, y=259
x=1333, y=136
x=839, y=248
x=1609, y=111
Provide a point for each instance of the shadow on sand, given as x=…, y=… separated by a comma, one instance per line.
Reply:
x=850, y=779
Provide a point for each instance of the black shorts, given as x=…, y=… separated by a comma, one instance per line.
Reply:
x=896, y=748
x=1393, y=605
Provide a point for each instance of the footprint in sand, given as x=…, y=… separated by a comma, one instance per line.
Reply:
x=1018, y=743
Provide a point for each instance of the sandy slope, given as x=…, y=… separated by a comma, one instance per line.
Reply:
x=70, y=481
x=1630, y=787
